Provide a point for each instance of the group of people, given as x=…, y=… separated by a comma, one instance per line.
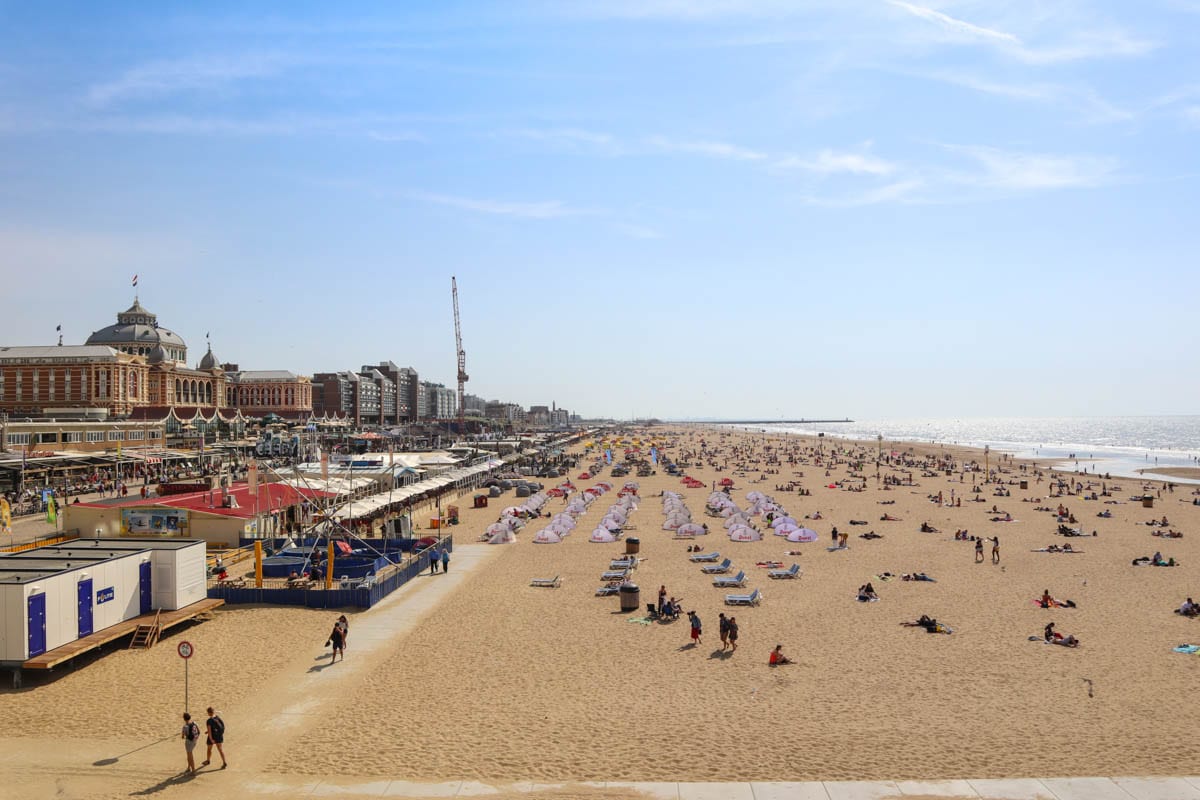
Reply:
x=438, y=557
x=214, y=728
x=670, y=607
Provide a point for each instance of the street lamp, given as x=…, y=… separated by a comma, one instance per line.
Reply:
x=986, y=468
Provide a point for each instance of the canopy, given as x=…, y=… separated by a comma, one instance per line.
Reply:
x=802, y=535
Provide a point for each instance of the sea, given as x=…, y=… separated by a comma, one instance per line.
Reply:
x=1114, y=445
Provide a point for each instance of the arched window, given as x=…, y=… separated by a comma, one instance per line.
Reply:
x=178, y=390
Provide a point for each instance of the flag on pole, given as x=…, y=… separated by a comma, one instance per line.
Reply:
x=135, y=277
x=51, y=511
x=5, y=516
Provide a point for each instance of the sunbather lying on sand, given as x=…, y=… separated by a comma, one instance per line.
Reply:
x=1054, y=637
x=929, y=624
x=916, y=576
x=927, y=528
x=1046, y=601
x=889, y=518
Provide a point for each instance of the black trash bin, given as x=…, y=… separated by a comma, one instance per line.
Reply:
x=631, y=597
x=1024, y=484
x=633, y=545
x=1148, y=501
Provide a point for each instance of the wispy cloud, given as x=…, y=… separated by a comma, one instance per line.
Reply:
x=1077, y=44
x=1081, y=100
x=688, y=10
x=829, y=161
x=894, y=192
x=1008, y=169
x=158, y=78
x=710, y=149
x=395, y=136
x=547, y=209
x=956, y=27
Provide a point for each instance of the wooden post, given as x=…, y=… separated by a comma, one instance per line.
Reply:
x=258, y=564
x=329, y=567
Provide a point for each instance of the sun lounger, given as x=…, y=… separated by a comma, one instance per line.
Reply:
x=752, y=599
x=623, y=563
x=793, y=572
x=730, y=581
x=547, y=583
x=702, y=557
x=615, y=575
x=604, y=591
x=717, y=569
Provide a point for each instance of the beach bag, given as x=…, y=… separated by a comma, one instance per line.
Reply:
x=218, y=726
x=193, y=731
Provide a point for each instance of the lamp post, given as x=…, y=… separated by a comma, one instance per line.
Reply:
x=986, y=464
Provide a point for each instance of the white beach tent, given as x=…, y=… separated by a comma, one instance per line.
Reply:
x=602, y=536
x=691, y=529
x=547, y=536
x=744, y=533
x=502, y=536
x=802, y=535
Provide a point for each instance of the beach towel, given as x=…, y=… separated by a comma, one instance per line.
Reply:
x=866, y=599
x=1188, y=648
x=640, y=620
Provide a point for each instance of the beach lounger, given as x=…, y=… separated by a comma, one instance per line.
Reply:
x=702, y=557
x=730, y=581
x=547, y=583
x=605, y=591
x=615, y=575
x=717, y=569
x=793, y=572
x=623, y=563
x=751, y=599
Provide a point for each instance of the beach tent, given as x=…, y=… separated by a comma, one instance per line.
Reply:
x=691, y=529
x=547, y=536
x=802, y=535
x=602, y=536
x=783, y=521
x=744, y=533
x=502, y=536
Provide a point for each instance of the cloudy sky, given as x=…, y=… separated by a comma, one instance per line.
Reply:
x=655, y=207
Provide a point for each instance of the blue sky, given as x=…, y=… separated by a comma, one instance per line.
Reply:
x=707, y=208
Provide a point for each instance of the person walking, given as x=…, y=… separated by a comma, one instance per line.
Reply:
x=979, y=550
x=433, y=560
x=216, y=736
x=724, y=626
x=344, y=624
x=445, y=560
x=733, y=634
x=995, y=549
x=695, y=620
x=337, y=638
x=190, y=735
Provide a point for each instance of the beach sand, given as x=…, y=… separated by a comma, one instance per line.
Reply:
x=501, y=682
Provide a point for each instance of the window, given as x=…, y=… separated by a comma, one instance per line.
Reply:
x=37, y=390
x=156, y=433
x=95, y=436
x=72, y=436
x=18, y=438
x=115, y=436
x=134, y=436
x=47, y=438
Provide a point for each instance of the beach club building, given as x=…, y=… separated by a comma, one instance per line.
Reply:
x=218, y=517
x=52, y=596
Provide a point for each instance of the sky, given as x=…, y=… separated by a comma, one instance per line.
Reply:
x=671, y=208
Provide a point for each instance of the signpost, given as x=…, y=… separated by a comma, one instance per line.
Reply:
x=185, y=652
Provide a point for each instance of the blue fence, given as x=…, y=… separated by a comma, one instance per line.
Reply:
x=333, y=598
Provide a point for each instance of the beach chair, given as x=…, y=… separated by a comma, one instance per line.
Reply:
x=547, y=583
x=784, y=574
x=605, y=591
x=651, y=611
x=730, y=581
x=752, y=599
x=623, y=563
x=717, y=569
x=702, y=557
x=615, y=575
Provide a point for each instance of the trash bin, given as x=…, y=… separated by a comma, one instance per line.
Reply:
x=1148, y=501
x=631, y=597
x=1024, y=484
x=633, y=545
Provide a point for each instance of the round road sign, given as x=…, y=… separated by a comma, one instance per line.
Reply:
x=185, y=649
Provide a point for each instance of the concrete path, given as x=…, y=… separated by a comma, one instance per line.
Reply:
x=1008, y=789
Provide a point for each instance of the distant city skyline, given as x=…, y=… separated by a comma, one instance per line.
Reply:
x=654, y=208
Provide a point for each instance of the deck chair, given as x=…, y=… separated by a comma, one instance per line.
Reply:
x=717, y=569
x=547, y=583
x=615, y=575
x=651, y=611
x=623, y=563
x=605, y=591
x=793, y=572
x=730, y=580
x=699, y=558
x=751, y=599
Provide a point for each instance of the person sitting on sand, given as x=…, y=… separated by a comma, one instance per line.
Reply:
x=866, y=593
x=777, y=658
x=1106, y=513
x=1048, y=632
x=1189, y=609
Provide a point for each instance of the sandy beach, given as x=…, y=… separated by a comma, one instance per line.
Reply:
x=503, y=682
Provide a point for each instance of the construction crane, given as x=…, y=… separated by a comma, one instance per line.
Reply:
x=462, y=362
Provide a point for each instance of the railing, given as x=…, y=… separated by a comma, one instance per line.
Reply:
x=317, y=596
x=41, y=541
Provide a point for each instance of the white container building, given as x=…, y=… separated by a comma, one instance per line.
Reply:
x=53, y=595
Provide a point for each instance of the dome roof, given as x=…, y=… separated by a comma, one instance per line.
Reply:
x=138, y=327
x=209, y=361
x=157, y=355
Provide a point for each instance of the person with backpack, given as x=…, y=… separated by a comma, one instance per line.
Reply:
x=216, y=736
x=191, y=735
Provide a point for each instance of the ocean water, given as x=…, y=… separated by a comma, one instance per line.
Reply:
x=1117, y=445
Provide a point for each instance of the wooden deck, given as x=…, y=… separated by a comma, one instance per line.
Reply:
x=169, y=619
